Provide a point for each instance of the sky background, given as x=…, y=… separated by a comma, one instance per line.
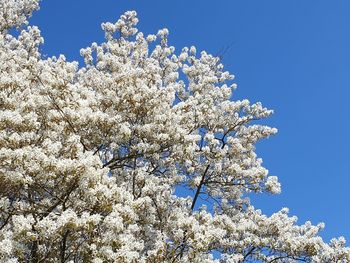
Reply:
x=293, y=56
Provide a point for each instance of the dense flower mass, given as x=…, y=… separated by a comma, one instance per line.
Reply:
x=92, y=158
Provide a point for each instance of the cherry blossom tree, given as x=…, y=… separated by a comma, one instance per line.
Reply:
x=92, y=158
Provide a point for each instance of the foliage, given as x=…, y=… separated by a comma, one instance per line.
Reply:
x=91, y=158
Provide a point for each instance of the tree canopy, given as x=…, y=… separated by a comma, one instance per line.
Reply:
x=92, y=158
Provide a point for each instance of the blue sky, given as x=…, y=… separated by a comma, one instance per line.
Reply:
x=294, y=56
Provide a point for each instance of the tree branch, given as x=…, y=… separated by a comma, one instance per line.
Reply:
x=199, y=187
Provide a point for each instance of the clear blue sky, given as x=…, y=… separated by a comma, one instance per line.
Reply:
x=294, y=56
